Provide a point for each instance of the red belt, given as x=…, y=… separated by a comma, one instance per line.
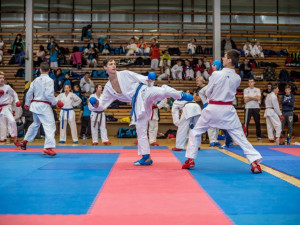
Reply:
x=220, y=103
x=42, y=101
x=3, y=105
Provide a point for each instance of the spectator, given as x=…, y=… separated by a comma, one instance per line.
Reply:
x=155, y=54
x=2, y=45
x=272, y=114
x=77, y=91
x=142, y=47
x=86, y=84
x=58, y=79
x=265, y=93
x=91, y=46
x=257, y=50
x=85, y=32
x=166, y=56
x=201, y=70
x=248, y=49
x=76, y=57
x=246, y=70
x=188, y=70
x=106, y=48
x=252, y=98
x=85, y=114
x=131, y=47
x=51, y=43
x=227, y=44
x=191, y=48
x=17, y=45
x=53, y=56
x=288, y=101
x=66, y=81
x=164, y=71
x=22, y=58
x=40, y=54
x=153, y=43
x=92, y=58
x=206, y=63
x=177, y=70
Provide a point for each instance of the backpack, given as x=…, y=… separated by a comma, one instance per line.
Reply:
x=174, y=51
x=295, y=74
x=199, y=50
x=61, y=60
x=126, y=133
x=12, y=60
x=63, y=50
x=139, y=61
x=20, y=73
x=147, y=61
x=99, y=74
x=269, y=74
x=171, y=132
x=284, y=76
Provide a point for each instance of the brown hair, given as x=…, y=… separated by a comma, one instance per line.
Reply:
x=105, y=61
x=44, y=67
x=234, y=55
x=274, y=86
x=287, y=86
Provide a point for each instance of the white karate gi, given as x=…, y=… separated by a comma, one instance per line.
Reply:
x=191, y=112
x=98, y=118
x=132, y=48
x=177, y=75
x=191, y=48
x=272, y=114
x=70, y=101
x=129, y=81
x=257, y=51
x=3, y=128
x=189, y=73
x=153, y=122
x=42, y=89
x=247, y=49
x=6, y=109
x=164, y=76
x=221, y=88
x=87, y=86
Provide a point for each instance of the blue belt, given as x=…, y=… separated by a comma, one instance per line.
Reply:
x=63, y=117
x=134, y=100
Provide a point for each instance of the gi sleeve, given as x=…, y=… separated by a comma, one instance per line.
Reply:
x=105, y=101
x=49, y=93
x=76, y=100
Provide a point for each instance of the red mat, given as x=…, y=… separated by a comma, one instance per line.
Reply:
x=159, y=194
x=291, y=151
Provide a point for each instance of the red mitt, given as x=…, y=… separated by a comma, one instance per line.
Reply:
x=60, y=104
x=18, y=104
x=282, y=118
x=26, y=107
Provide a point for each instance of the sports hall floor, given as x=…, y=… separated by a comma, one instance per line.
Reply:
x=86, y=185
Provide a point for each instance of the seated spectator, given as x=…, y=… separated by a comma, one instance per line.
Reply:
x=246, y=70
x=106, y=48
x=77, y=91
x=40, y=54
x=166, y=56
x=53, y=56
x=85, y=32
x=91, y=46
x=248, y=49
x=1, y=48
x=227, y=44
x=58, y=79
x=201, y=70
x=75, y=57
x=131, y=47
x=86, y=84
x=191, y=48
x=51, y=43
x=206, y=63
x=142, y=47
x=155, y=54
x=177, y=70
x=188, y=70
x=17, y=45
x=92, y=58
x=164, y=71
x=265, y=93
x=257, y=50
x=66, y=81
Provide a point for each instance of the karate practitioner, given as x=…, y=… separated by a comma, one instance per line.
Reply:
x=67, y=114
x=128, y=86
x=42, y=92
x=6, y=93
x=191, y=112
x=220, y=113
x=272, y=114
x=98, y=119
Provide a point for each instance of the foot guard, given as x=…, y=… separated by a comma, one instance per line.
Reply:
x=49, y=151
x=188, y=164
x=144, y=161
x=177, y=149
x=23, y=145
x=256, y=169
x=17, y=143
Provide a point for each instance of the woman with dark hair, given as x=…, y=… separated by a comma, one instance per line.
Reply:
x=17, y=45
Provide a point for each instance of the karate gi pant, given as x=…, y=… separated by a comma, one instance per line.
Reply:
x=153, y=129
x=164, y=76
x=183, y=130
x=177, y=75
x=103, y=130
x=48, y=122
x=273, y=123
x=213, y=134
x=189, y=75
x=63, y=130
x=205, y=74
x=143, y=51
x=3, y=128
x=11, y=122
x=237, y=135
x=151, y=95
x=154, y=63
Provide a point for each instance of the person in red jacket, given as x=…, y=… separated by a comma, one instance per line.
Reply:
x=201, y=70
x=155, y=55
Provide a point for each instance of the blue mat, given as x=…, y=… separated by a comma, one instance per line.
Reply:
x=286, y=163
x=84, y=147
x=31, y=183
x=246, y=198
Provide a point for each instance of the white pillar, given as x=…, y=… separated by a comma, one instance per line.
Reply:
x=217, y=29
x=29, y=41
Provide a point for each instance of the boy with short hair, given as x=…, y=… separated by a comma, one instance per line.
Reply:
x=288, y=101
